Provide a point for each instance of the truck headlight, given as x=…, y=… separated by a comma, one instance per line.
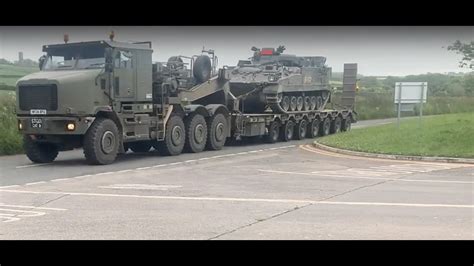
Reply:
x=71, y=126
x=20, y=125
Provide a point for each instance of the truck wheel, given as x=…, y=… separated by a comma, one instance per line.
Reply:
x=273, y=132
x=346, y=124
x=216, y=132
x=101, y=142
x=336, y=125
x=196, y=133
x=39, y=152
x=287, y=132
x=140, y=146
x=174, y=139
x=325, y=127
x=313, y=128
x=301, y=129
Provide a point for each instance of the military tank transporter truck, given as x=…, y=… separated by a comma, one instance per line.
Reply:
x=108, y=97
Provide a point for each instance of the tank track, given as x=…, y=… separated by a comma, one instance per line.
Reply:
x=275, y=104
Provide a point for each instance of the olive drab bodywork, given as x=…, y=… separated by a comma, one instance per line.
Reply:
x=281, y=82
x=109, y=97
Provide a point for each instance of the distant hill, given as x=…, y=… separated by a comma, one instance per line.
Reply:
x=9, y=74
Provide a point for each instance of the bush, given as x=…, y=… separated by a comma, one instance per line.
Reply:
x=10, y=139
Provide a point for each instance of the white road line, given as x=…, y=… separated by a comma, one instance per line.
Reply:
x=125, y=171
x=175, y=163
x=31, y=213
x=249, y=199
x=35, y=183
x=105, y=173
x=32, y=207
x=59, y=179
x=31, y=165
x=9, y=186
x=142, y=168
x=341, y=175
x=140, y=186
x=190, y=161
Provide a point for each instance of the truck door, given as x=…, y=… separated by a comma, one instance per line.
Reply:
x=124, y=75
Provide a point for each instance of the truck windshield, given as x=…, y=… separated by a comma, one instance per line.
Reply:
x=82, y=57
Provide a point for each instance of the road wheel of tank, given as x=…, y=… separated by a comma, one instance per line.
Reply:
x=273, y=132
x=196, y=133
x=140, y=146
x=301, y=129
x=313, y=128
x=287, y=131
x=293, y=103
x=285, y=103
x=325, y=127
x=319, y=103
x=336, y=125
x=101, y=142
x=346, y=124
x=299, y=103
x=216, y=132
x=174, y=137
x=313, y=103
x=39, y=152
x=202, y=68
x=307, y=103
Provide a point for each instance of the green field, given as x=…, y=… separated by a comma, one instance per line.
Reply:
x=441, y=135
x=9, y=74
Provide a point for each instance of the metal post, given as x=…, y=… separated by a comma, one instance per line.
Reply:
x=399, y=103
x=421, y=102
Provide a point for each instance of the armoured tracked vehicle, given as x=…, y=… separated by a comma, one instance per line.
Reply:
x=281, y=82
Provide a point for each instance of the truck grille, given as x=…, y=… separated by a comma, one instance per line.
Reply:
x=38, y=97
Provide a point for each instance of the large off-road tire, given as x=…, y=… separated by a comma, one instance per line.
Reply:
x=336, y=125
x=140, y=146
x=196, y=133
x=216, y=132
x=101, y=142
x=301, y=129
x=39, y=152
x=286, y=134
x=174, y=137
x=346, y=124
x=273, y=133
x=202, y=68
x=325, y=127
x=313, y=128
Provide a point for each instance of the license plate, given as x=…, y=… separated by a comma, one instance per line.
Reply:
x=36, y=123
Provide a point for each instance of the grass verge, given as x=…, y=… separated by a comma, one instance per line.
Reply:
x=10, y=139
x=441, y=135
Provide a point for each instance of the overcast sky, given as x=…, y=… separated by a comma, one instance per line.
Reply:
x=378, y=50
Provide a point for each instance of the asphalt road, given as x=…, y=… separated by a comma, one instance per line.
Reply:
x=254, y=191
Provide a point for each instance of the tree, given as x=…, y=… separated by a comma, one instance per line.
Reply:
x=466, y=50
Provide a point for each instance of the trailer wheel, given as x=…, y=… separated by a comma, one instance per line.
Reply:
x=325, y=127
x=346, y=124
x=101, y=142
x=174, y=137
x=336, y=125
x=196, y=133
x=216, y=132
x=273, y=132
x=313, y=128
x=39, y=152
x=287, y=132
x=301, y=129
x=140, y=146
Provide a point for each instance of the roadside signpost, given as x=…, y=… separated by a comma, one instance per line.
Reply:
x=407, y=95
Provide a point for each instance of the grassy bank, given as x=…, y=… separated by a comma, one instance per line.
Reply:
x=442, y=135
x=10, y=139
x=9, y=74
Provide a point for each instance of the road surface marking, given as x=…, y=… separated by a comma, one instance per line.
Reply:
x=32, y=207
x=31, y=165
x=296, y=201
x=9, y=186
x=35, y=183
x=342, y=175
x=142, y=168
x=6, y=212
x=140, y=186
x=59, y=179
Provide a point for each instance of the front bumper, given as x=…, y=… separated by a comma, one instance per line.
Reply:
x=55, y=125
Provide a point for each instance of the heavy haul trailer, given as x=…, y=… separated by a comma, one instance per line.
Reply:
x=108, y=97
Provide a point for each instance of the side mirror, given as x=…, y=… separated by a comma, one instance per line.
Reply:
x=41, y=61
x=109, y=59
